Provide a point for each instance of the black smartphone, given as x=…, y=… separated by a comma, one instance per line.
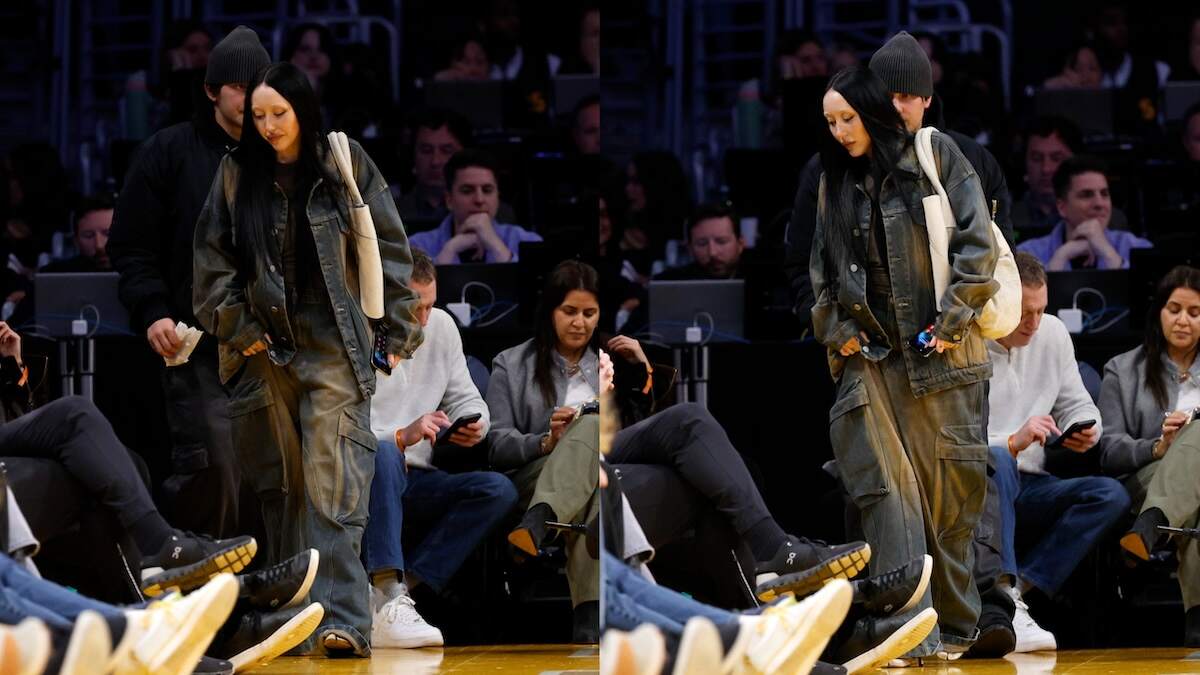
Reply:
x=1073, y=429
x=444, y=435
x=379, y=357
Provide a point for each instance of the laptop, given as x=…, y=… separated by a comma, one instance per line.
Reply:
x=717, y=307
x=569, y=90
x=1178, y=97
x=1102, y=295
x=60, y=299
x=1092, y=110
x=481, y=102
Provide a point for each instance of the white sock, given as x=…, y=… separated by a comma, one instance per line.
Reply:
x=389, y=583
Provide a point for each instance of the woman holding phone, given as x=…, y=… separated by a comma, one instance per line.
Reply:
x=1147, y=402
x=274, y=284
x=907, y=430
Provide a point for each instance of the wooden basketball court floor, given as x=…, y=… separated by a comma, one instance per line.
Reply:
x=563, y=659
x=534, y=659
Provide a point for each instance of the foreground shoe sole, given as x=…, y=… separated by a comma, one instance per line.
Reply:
x=826, y=610
x=89, y=647
x=810, y=580
x=523, y=541
x=289, y=635
x=699, y=651
x=895, y=645
x=231, y=559
x=184, y=644
x=1132, y=542
x=31, y=643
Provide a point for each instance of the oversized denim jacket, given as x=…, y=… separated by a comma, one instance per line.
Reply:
x=839, y=277
x=240, y=312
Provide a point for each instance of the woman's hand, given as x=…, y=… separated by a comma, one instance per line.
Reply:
x=628, y=348
x=10, y=342
x=1170, y=428
x=560, y=419
x=941, y=346
x=607, y=372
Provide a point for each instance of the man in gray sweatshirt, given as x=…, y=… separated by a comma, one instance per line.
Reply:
x=423, y=396
x=1037, y=393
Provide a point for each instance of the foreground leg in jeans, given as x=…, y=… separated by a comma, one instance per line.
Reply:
x=382, y=550
x=461, y=510
x=630, y=600
x=1060, y=520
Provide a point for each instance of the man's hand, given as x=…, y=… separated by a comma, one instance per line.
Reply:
x=480, y=224
x=1082, y=441
x=607, y=372
x=10, y=342
x=854, y=345
x=254, y=348
x=941, y=346
x=163, y=339
x=425, y=426
x=628, y=348
x=469, y=435
x=1069, y=251
x=1036, y=429
x=457, y=246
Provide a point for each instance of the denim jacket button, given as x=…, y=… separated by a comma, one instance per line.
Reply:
x=857, y=307
x=866, y=349
x=274, y=309
x=856, y=232
x=853, y=267
x=957, y=338
x=272, y=268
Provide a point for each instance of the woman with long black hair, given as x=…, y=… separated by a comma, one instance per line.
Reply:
x=907, y=426
x=276, y=281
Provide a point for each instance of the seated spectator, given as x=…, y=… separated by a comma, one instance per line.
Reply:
x=715, y=243
x=91, y=238
x=1049, y=524
x=39, y=204
x=468, y=61
x=470, y=232
x=586, y=60
x=585, y=130
x=656, y=192
x=185, y=50
x=801, y=54
x=423, y=396
x=512, y=58
x=1082, y=238
x=1049, y=141
x=311, y=48
x=1080, y=70
x=1156, y=453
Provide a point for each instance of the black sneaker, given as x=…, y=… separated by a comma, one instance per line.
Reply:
x=280, y=586
x=531, y=532
x=874, y=641
x=258, y=638
x=896, y=591
x=210, y=666
x=996, y=634
x=187, y=561
x=586, y=628
x=801, y=566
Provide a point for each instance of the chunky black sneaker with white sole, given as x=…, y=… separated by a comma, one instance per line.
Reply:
x=280, y=586
x=801, y=566
x=188, y=561
x=895, y=591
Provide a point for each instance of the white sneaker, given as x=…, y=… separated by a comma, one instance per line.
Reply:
x=1030, y=636
x=171, y=635
x=397, y=624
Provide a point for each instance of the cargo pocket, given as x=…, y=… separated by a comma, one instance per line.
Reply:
x=957, y=503
x=347, y=490
x=256, y=436
x=856, y=444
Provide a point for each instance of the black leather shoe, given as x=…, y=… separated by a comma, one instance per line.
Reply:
x=1191, y=635
x=280, y=586
x=531, y=532
x=895, y=591
x=996, y=634
x=1142, y=536
x=586, y=629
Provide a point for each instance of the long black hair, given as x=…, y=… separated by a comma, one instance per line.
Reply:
x=1154, y=343
x=256, y=159
x=869, y=97
x=569, y=275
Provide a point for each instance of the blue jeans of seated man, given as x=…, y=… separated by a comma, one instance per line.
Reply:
x=23, y=595
x=457, y=510
x=630, y=600
x=1053, y=522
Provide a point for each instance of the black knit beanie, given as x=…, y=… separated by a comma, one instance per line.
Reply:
x=236, y=58
x=903, y=66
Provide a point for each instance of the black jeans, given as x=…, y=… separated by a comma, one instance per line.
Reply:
x=201, y=494
x=686, y=437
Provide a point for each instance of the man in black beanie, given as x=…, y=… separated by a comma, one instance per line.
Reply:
x=905, y=69
x=150, y=245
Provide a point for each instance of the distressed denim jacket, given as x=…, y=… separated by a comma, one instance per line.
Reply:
x=839, y=277
x=240, y=311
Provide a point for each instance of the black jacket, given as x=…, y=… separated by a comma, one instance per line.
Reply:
x=799, y=237
x=155, y=219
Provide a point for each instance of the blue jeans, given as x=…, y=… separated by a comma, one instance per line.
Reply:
x=22, y=595
x=630, y=600
x=457, y=511
x=1060, y=520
